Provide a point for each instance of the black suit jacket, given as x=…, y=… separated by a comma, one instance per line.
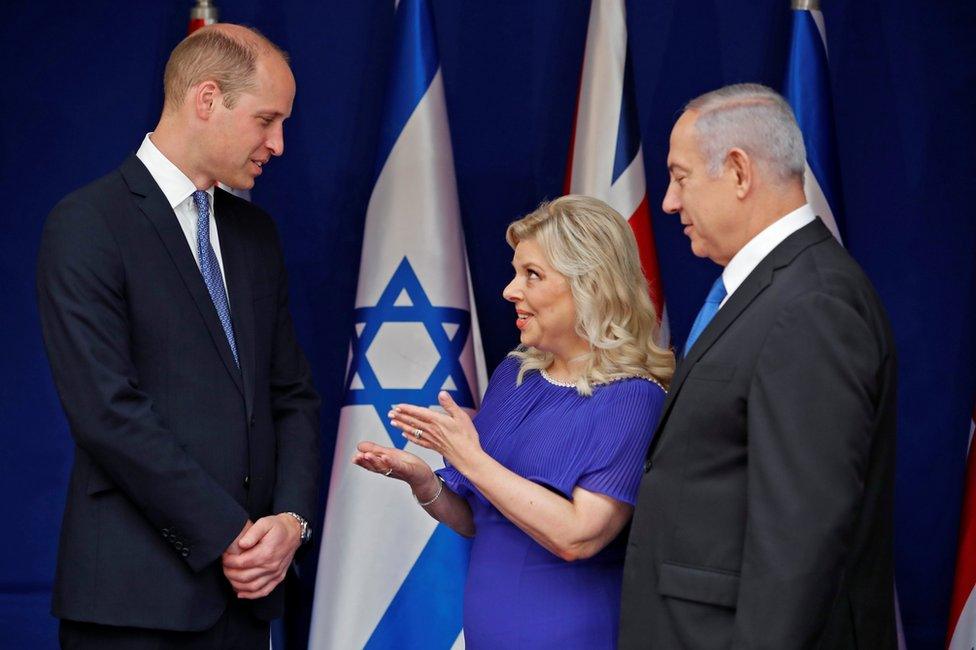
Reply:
x=176, y=447
x=764, y=518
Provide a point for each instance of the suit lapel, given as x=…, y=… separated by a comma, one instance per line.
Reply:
x=756, y=282
x=152, y=202
x=234, y=253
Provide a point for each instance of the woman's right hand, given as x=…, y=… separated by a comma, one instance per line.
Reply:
x=397, y=464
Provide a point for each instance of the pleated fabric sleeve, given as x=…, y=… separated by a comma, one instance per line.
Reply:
x=621, y=434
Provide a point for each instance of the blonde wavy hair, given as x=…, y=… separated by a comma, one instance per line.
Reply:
x=589, y=243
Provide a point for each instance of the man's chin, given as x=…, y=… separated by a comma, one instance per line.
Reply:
x=698, y=249
x=239, y=184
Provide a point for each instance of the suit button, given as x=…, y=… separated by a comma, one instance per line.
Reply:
x=185, y=552
x=166, y=532
x=178, y=546
x=252, y=421
x=247, y=481
x=648, y=465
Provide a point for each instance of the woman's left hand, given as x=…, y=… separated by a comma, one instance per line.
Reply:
x=451, y=434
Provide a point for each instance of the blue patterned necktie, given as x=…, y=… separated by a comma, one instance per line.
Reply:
x=708, y=311
x=210, y=269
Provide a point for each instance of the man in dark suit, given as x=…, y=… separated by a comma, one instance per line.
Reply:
x=764, y=518
x=164, y=307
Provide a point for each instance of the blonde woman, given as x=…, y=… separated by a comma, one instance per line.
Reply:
x=545, y=477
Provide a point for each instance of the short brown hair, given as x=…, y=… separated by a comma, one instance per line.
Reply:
x=211, y=53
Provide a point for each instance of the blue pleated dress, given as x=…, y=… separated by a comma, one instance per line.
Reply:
x=518, y=594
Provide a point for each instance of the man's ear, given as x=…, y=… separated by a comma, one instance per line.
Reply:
x=205, y=97
x=740, y=165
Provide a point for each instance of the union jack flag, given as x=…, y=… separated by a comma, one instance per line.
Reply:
x=606, y=159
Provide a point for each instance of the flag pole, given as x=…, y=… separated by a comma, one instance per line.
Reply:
x=204, y=12
x=805, y=5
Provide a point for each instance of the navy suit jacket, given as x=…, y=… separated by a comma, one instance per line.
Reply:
x=176, y=447
x=764, y=518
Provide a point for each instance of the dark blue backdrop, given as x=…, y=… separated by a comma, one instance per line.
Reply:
x=82, y=84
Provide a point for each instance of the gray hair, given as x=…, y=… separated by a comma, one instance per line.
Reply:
x=753, y=118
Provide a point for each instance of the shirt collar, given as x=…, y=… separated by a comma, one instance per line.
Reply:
x=174, y=183
x=750, y=255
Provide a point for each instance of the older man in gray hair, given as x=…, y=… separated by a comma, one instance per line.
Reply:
x=764, y=518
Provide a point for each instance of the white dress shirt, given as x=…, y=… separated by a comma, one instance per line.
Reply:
x=179, y=190
x=750, y=255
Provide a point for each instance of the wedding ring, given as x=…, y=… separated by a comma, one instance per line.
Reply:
x=388, y=472
x=419, y=433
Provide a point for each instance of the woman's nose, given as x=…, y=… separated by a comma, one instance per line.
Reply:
x=511, y=292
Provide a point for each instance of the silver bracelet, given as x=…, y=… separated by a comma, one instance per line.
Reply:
x=440, y=488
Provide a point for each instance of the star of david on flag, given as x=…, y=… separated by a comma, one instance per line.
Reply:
x=404, y=317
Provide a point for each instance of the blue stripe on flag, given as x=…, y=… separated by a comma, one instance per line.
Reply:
x=628, y=130
x=419, y=617
x=807, y=89
x=415, y=63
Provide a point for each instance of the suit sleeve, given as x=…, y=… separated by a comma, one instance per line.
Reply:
x=84, y=318
x=295, y=408
x=810, y=420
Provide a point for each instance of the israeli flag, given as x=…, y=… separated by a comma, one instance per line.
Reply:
x=389, y=575
x=807, y=89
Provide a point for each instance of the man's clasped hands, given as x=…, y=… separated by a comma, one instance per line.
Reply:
x=258, y=559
